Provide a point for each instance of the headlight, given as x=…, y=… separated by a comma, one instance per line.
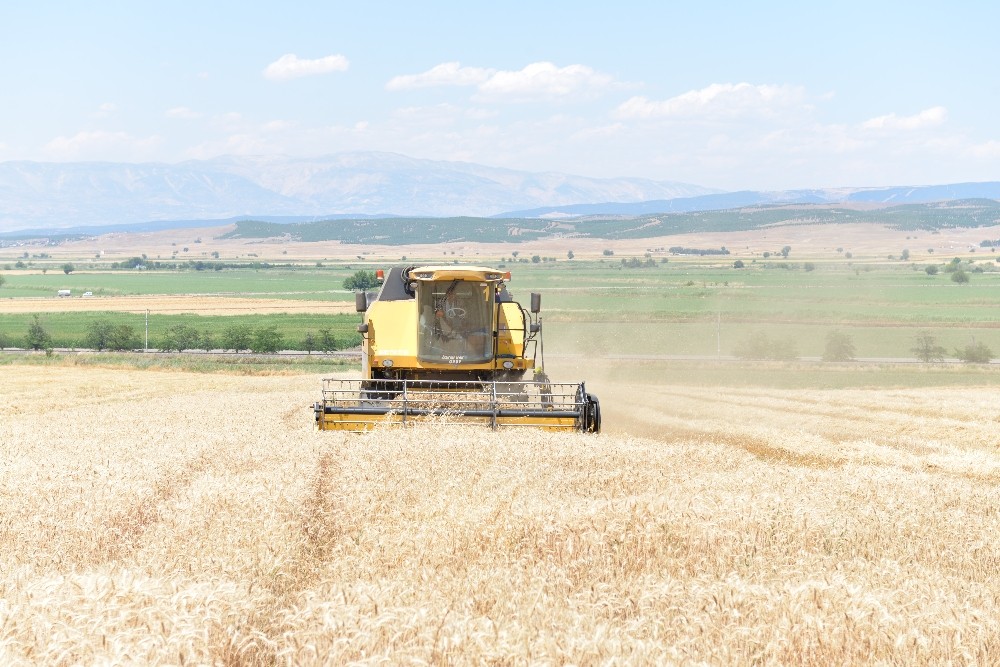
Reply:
x=508, y=365
x=387, y=363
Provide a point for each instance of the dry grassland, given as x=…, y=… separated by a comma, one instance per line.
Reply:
x=158, y=517
x=807, y=240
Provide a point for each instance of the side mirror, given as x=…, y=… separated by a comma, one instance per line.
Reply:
x=534, y=328
x=360, y=301
x=362, y=328
x=536, y=302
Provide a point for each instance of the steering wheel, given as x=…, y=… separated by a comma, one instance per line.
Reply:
x=455, y=312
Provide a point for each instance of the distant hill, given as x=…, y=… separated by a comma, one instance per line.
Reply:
x=35, y=195
x=97, y=197
x=408, y=230
x=726, y=200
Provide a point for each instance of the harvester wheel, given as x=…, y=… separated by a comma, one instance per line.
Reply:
x=592, y=420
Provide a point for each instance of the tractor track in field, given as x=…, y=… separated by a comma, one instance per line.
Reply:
x=121, y=535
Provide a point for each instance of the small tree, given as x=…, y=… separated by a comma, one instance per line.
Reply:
x=237, y=337
x=784, y=251
x=931, y=269
x=68, y=268
x=960, y=277
x=361, y=280
x=761, y=346
x=207, y=341
x=905, y=255
x=180, y=337
x=327, y=342
x=569, y=255
x=738, y=264
x=309, y=342
x=927, y=349
x=98, y=334
x=839, y=347
x=809, y=266
x=38, y=338
x=535, y=259
x=975, y=353
x=2, y=280
x=608, y=252
x=123, y=337
x=267, y=340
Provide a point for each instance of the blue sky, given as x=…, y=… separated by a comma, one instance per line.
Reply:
x=725, y=95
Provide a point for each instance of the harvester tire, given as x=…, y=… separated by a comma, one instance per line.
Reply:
x=592, y=418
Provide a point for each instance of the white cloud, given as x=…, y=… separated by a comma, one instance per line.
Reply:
x=105, y=110
x=537, y=80
x=276, y=126
x=183, y=113
x=290, y=66
x=544, y=79
x=927, y=118
x=719, y=100
x=989, y=149
x=445, y=74
x=102, y=145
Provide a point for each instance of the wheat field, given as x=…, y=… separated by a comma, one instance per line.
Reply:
x=175, y=518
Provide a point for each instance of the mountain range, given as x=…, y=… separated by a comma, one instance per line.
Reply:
x=40, y=195
x=103, y=195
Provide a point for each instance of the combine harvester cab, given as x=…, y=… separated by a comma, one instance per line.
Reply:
x=449, y=342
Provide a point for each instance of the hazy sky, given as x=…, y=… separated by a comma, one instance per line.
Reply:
x=734, y=95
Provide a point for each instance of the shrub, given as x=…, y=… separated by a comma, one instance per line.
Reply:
x=927, y=349
x=38, y=338
x=180, y=337
x=975, y=353
x=738, y=264
x=267, y=340
x=960, y=277
x=361, y=280
x=207, y=341
x=103, y=335
x=760, y=346
x=931, y=269
x=237, y=337
x=326, y=341
x=839, y=347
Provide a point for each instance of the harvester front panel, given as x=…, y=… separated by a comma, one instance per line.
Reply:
x=351, y=406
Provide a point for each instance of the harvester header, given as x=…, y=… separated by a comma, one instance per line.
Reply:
x=452, y=341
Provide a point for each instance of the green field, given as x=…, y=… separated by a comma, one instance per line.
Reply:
x=69, y=330
x=298, y=283
x=686, y=306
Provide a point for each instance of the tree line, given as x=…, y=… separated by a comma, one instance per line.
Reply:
x=839, y=346
x=105, y=335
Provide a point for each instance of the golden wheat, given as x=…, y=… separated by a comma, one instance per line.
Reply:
x=160, y=517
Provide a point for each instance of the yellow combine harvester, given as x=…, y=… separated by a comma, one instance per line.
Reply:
x=450, y=341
